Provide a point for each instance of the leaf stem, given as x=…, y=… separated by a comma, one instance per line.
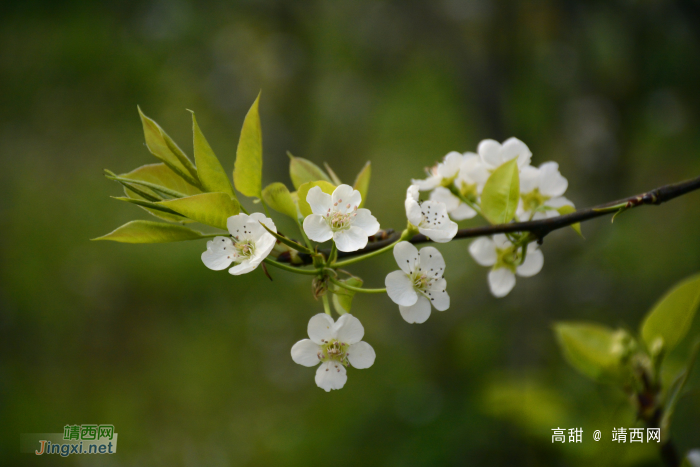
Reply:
x=353, y=288
x=277, y=264
x=326, y=305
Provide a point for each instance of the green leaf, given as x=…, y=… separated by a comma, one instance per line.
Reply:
x=209, y=169
x=159, y=190
x=165, y=149
x=342, y=298
x=501, y=194
x=208, y=208
x=147, y=204
x=160, y=175
x=277, y=196
x=290, y=243
x=151, y=232
x=334, y=178
x=303, y=171
x=303, y=190
x=568, y=209
x=362, y=181
x=669, y=320
x=247, y=172
x=592, y=349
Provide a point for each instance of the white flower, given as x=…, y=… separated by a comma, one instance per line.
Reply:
x=430, y=217
x=493, y=154
x=334, y=345
x=419, y=283
x=250, y=244
x=455, y=207
x=337, y=217
x=441, y=173
x=541, y=192
x=500, y=254
x=473, y=174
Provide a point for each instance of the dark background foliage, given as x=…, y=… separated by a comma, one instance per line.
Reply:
x=192, y=366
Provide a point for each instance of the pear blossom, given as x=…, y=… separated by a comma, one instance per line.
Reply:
x=505, y=260
x=541, y=190
x=457, y=209
x=494, y=154
x=334, y=345
x=473, y=174
x=337, y=216
x=248, y=245
x=430, y=217
x=442, y=173
x=419, y=284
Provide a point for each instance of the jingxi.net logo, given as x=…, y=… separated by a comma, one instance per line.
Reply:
x=75, y=439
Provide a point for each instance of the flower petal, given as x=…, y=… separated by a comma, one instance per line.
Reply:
x=341, y=196
x=361, y=355
x=462, y=212
x=237, y=224
x=529, y=179
x=558, y=202
x=501, y=282
x=351, y=239
x=413, y=193
x=243, y=267
x=413, y=211
x=472, y=170
x=352, y=203
x=406, y=256
x=432, y=263
x=319, y=201
x=260, y=217
x=450, y=165
x=331, y=375
x=366, y=221
x=220, y=253
x=512, y=148
x=444, y=196
x=427, y=184
x=438, y=295
x=417, y=313
x=305, y=352
x=552, y=183
x=317, y=229
x=441, y=235
x=483, y=250
x=501, y=241
x=399, y=287
x=532, y=264
x=490, y=153
x=320, y=328
x=348, y=329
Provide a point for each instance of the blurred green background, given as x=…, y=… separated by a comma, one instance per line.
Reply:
x=192, y=366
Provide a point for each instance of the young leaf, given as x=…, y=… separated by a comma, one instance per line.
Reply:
x=501, y=194
x=208, y=208
x=290, y=243
x=165, y=149
x=247, y=172
x=303, y=171
x=160, y=191
x=277, y=196
x=342, y=298
x=303, y=190
x=362, y=181
x=151, y=232
x=671, y=317
x=568, y=209
x=146, y=204
x=590, y=348
x=211, y=174
x=334, y=178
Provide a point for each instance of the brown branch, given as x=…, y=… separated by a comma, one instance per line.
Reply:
x=541, y=228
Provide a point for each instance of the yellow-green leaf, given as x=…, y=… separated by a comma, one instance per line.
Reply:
x=151, y=232
x=568, y=209
x=208, y=208
x=302, y=171
x=211, y=173
x=277, y=196
x=304, y=207
x=334, y=178
x=247, y=173
x=362, y=181
x=165, y=149
x=501, y=193
x=669, y=320
x=591, y=349
x=342, y=298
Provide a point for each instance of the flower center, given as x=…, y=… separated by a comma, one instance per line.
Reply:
x=509, y=257
x=534, y=200
x=245, y=248
x=339, y=220
x=469, y=191
x=334, y=351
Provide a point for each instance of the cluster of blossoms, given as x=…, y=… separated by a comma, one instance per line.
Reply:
x=455, y=185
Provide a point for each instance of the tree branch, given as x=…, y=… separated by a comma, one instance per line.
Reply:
x=541, y=228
